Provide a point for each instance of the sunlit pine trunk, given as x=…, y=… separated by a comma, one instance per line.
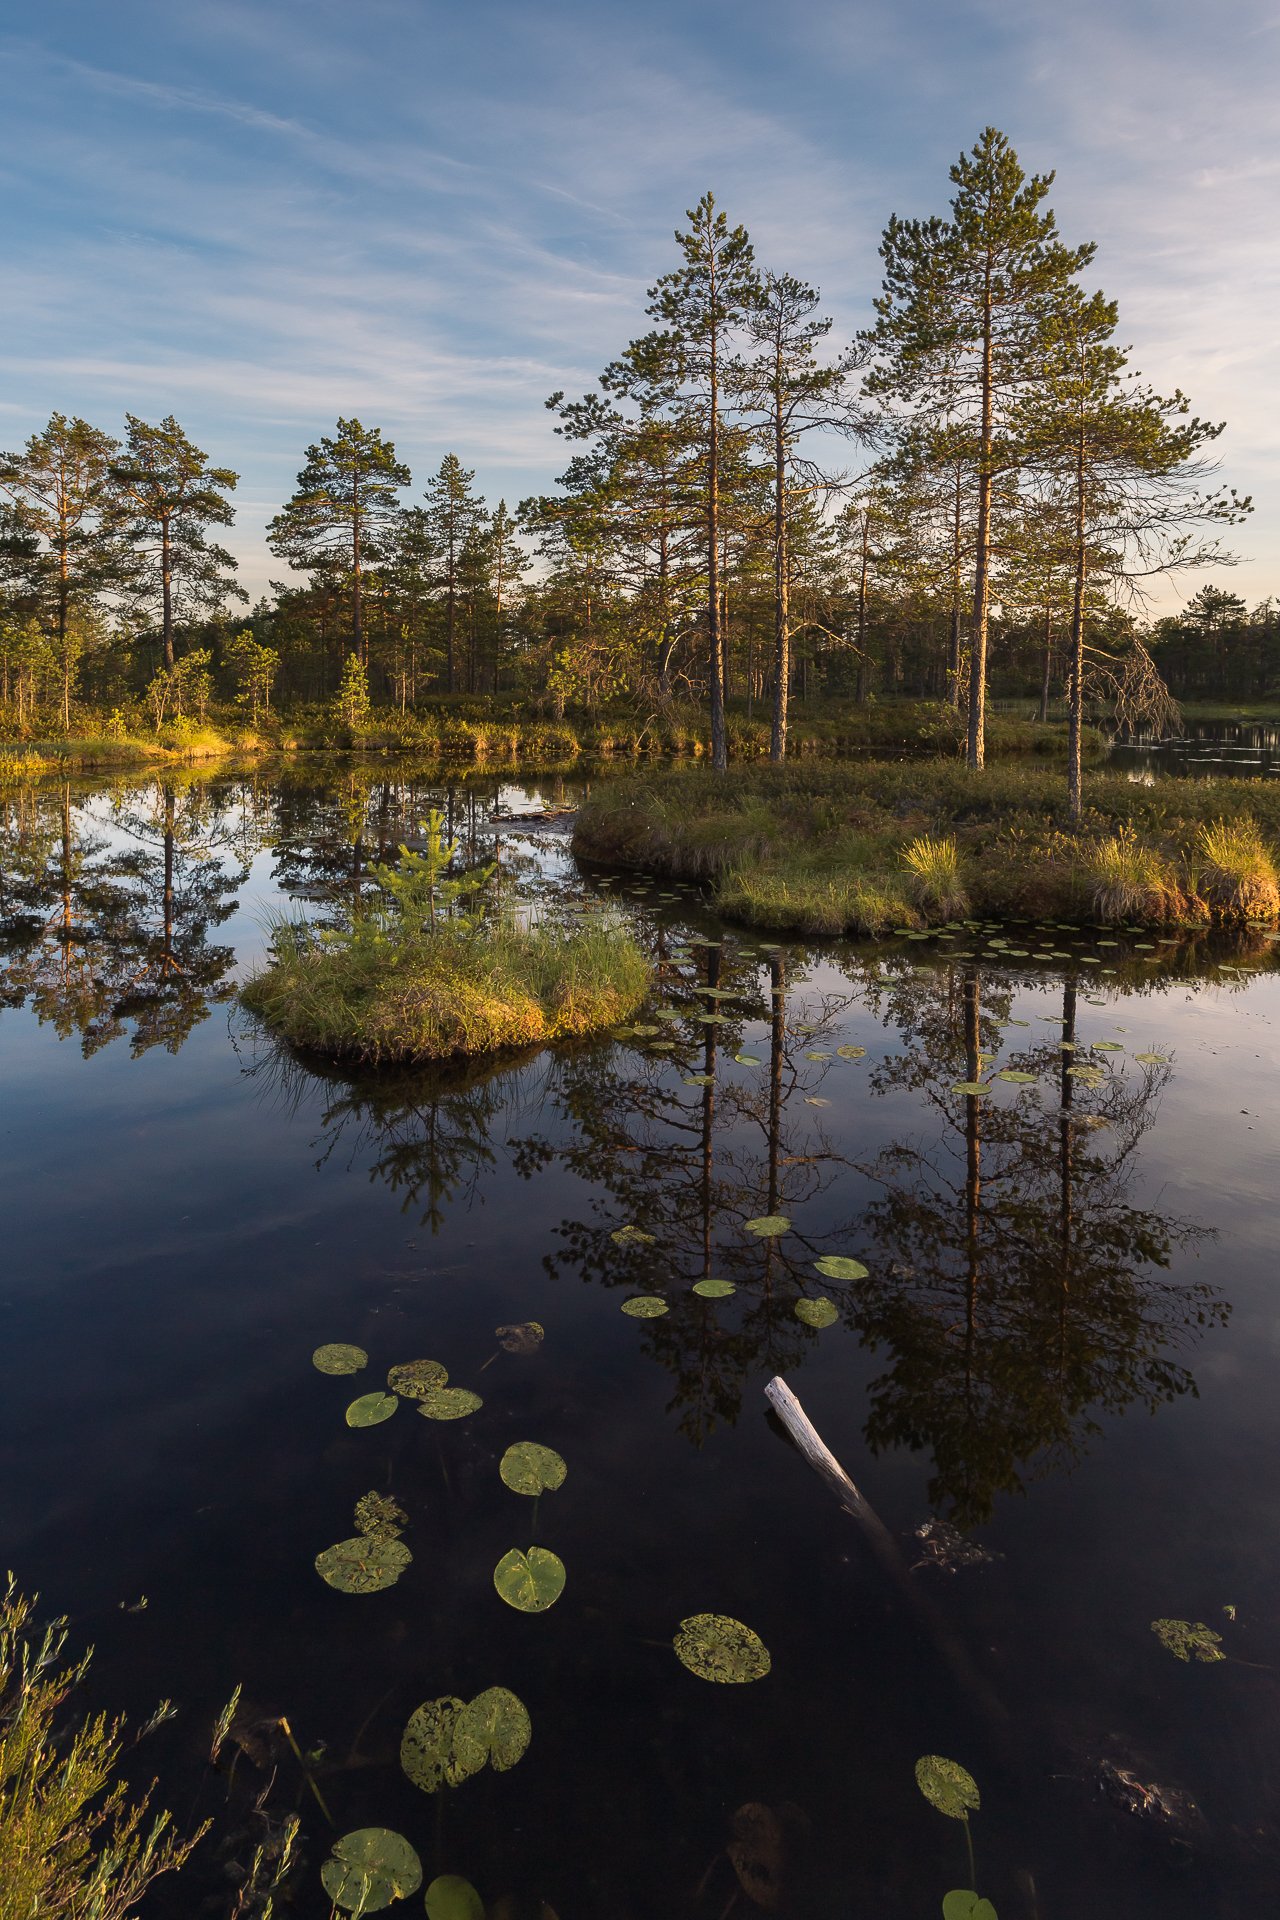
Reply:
x=1047, y=673
x=864, y=663
x=166, y=591
x=977, y=743
x=781, y=574
x=1075, y=769
x=953, y=661
x=357, y=599
x=719, y=741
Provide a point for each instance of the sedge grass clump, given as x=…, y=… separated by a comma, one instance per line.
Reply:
x=1235, y=870
x=934, y=867
x=1132, y=880
x=73, y=1844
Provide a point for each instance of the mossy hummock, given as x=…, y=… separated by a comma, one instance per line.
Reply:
x=468, y=988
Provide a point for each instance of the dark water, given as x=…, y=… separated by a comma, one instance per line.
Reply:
x=1065, y=1345
x=1208, y=750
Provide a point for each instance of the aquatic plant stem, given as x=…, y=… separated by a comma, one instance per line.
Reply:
x=968, y=1841
x=307, y=1773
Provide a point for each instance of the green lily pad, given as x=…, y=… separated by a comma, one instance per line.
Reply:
x=494, y=1727
x=339, y=1358
x=947, y=1786
x=717, y=1647
x=526, y=1336
x=449, y=1403
x=1108, y=1046
x=378, y=1517
x=530, y=1582
x=370, y=1868
x=817, y=1056
x=971, y=1088
x=1189, y=1640
x=1016, y=1076
x=838, y=1266
x=371, y=1409
x=645, y=1306
x=714, y=1289
x=631, y=1236
x=1152, y=1059
x=851, y=1053
x=366, y=1564
x=747, y=1059
x=817, y=1313
x=450, y=1897
x=963, y=1904
x=414, y=1379
x=699, y=1079
x=767, y=1226
x=646, y=1031
x=426, y=1749
x=529, y=1468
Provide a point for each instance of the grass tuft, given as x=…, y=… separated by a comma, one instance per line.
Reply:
x=1132, y=881
x=1237, y=873
x=934, y=866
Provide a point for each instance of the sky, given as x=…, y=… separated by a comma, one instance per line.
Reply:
x=260, y=217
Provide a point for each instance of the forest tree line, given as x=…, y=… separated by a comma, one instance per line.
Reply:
x=970, y=497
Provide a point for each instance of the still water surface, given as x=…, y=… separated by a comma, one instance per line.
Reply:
x=1065, y=1345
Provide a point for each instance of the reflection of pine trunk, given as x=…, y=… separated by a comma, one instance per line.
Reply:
x=168, y=877
x=777, y=1021
x=973, y=1142
x=1065, y=1222
x=709, y=1112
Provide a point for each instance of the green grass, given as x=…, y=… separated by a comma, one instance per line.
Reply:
x=469, y=988
x=817, y=848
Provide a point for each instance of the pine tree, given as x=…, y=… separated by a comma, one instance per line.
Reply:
x=960, y=334
x=1125, y=463
x=701, y=305
x=344, y=512
x=164, y=495
x=454, y=515
x=60, y=487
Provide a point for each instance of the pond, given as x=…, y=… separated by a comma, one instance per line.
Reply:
x=1208, y=750
x=1048, y=1364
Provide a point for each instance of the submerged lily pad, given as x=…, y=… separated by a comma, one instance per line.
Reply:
x=530, y=1582
x=699, y=1079
x=426, y=1748
x=630, y=1236
x=838, y=1266
x=767, y=1226
x=370, y=1868
x=337, y=1357
x=414, y=1379
x=371, y=1409
x=379, y=1517
x=450, y=1897
x=526, y=1336
x=963, y=1904
x=851, y=1053
x=495, y=1727
x=366, y=1564
x=1189, y=1640
x=645, y=1306
x=717, y=1647
x=817, y=1313
x=529, y=1468
x=947, y=1786
x=449, y=1403
x=714, y=1289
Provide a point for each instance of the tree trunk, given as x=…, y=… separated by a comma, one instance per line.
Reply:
x=166, y=591
x=781, y=577
x=1047, y=675
x=977, y=743
x=1075, y=770
x=953, y=662
x=357, y=606
x=719, y=742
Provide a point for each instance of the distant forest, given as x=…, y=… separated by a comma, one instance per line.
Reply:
x=971, y=497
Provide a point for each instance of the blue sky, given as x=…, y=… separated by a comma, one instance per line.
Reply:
x=261, y=216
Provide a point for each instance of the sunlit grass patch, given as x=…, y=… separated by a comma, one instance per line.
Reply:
x=934, y=867
x=1235, y=870
x=1132, y=880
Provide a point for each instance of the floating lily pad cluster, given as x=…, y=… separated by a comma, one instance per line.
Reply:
x=375, y=1556
x=448, y=1740
x=370, y=1868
